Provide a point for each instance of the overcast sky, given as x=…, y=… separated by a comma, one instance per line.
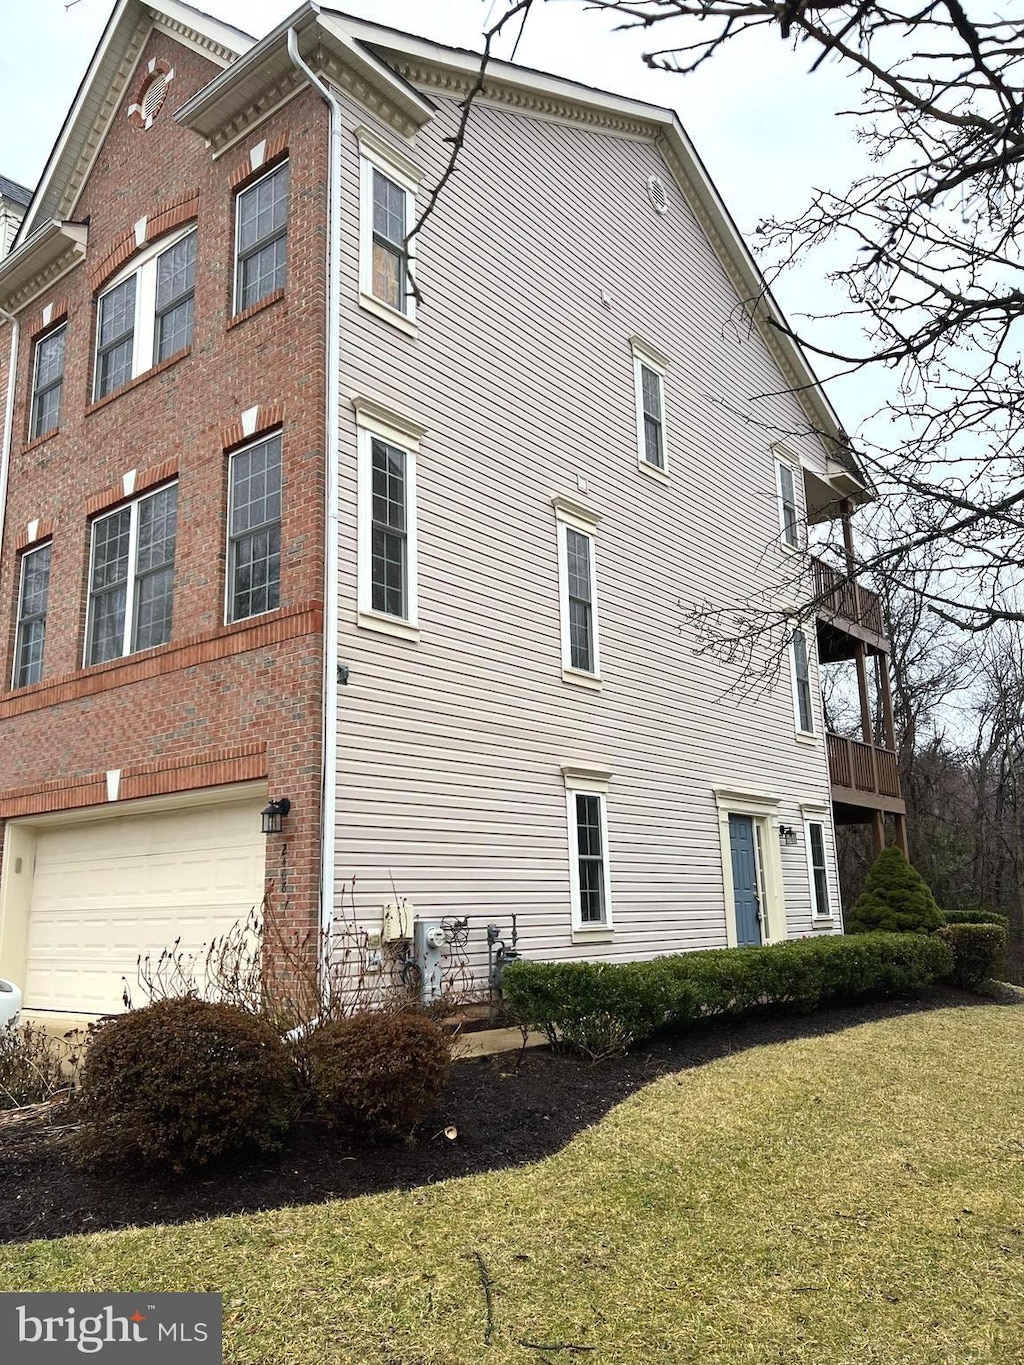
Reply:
x=767, y=131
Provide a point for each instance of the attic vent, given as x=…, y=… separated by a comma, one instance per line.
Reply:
x=657, y=193
x=151, y=95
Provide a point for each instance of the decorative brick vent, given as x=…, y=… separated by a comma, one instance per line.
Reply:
x=151, y=94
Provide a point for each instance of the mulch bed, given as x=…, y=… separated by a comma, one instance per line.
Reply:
x=507, y=1111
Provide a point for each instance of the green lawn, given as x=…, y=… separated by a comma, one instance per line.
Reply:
x=855, y=1198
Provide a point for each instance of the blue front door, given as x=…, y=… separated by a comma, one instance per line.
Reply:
x=744, y=880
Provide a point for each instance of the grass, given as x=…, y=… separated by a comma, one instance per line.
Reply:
x=838, y=1200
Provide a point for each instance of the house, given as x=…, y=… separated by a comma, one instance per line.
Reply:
x=14, y=200
x=413, y=572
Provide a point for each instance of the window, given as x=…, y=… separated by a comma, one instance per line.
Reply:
x=387, y=523
x=590, y=886
x=131, y=577
x=261, y=238
x=254, y=529
x=788, y=510
x=31, y=633
x=47, y=383
x=802, y=683
x=146, y=316
x=649, y=368
x=577, y=573
x=814, y=831
x=388, y=184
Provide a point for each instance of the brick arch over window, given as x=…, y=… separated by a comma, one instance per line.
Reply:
x=146, y=230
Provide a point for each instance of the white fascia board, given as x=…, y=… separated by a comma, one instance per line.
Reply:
x=47, y=244
x=203, y=106
x=224, y=35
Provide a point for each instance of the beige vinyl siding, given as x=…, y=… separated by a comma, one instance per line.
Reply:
x=451, y=748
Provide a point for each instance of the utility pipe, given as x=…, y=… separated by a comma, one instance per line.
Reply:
x=8, y=432
x=329, y=798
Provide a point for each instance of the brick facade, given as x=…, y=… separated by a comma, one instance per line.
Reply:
x=219, y=703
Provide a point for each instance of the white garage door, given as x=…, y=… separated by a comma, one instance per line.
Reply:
x=107, y=890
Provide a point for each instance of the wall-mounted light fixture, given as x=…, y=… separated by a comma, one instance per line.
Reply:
x=273, y=813
x=787, y=836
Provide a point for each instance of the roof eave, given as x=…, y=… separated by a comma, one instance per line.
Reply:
x=44, y=248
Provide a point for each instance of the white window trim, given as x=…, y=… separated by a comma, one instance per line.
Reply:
x=129, y=601
x=375, y=153
x=46, y=545
x=40, y=341
x=828, y=916
x=374, y=419
x=239, y=195
x=580, y=516
x=592, y=782
x=644, y=354
x=784, y=460
x=801, y=733
x=229, y=587
x=764, y=810
x=144, y=333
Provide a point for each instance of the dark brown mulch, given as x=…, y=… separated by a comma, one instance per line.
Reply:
x=507, y=1110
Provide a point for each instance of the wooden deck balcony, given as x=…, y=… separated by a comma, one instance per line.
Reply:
x=847, y=612
x=864, y=776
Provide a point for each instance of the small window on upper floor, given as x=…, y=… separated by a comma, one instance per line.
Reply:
x=388, y=558
x=146, y=315
x=254, y=529
x=32, y=604
x=649, y=369
x=47, y=383
x=131, y=577
x=388, y=184
x=577, y=591
x=801, y=668
x=789, y=511
x=261, y=238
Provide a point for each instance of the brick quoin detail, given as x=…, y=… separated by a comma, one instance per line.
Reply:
x=160, y=221
x=145, y=478
x=267, y=417
x=274, y=150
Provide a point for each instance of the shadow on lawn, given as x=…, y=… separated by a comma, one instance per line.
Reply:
x=508, y=1111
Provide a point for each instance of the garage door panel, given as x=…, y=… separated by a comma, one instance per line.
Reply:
x=107, y=891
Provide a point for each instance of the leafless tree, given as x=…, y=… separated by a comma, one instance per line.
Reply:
x=930, y=238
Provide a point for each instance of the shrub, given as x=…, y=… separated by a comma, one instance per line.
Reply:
x=183, y=1081
x=377, y=1072
x=598, y=1008
x=583, y=1004
x=976, y=917
x=34, y=1066
x=979, y=952
x=895, y=899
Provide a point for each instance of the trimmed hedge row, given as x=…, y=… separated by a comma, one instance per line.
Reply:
x=976, y=917
x=979, y=952
x=601, y=1007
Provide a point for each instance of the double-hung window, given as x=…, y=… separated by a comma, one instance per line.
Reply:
x=388, y=183
x=254, y=529
x=589, y=879
x=146, y=315
x=817, y=869
x=261, y=238
x=801, y=669
x=47, y=383
x=649, y=369
x=131, y=577
x=387, y=521
x=32, y=603
x=577, y=584
x=789, y=514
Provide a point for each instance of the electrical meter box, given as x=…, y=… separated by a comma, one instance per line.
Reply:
x=397, y=920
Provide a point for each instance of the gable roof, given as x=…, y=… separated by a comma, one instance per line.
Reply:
x=103, y=86
x=18, y=194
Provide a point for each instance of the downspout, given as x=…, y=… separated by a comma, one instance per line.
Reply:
x=8, y=432
x=329, y=800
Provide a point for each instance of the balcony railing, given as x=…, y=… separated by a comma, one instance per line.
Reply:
x=862, y=767
x=847, y=600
